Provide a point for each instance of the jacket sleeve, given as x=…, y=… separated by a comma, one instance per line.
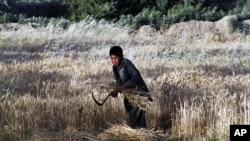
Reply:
x=117, y=76
x=133, y=72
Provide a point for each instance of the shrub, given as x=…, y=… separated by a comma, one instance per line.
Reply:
x=37, y=21
x=60, y=22
x=80, y=9
x=148, y=17
x=9, y=17
x=236, y=25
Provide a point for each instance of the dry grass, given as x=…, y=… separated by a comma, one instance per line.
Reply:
x=199, y=86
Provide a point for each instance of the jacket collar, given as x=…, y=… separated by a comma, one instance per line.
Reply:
x=121, y=64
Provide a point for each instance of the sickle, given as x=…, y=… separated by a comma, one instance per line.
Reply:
x=98, y=103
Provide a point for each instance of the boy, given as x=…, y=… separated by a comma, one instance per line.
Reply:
x=127, y=76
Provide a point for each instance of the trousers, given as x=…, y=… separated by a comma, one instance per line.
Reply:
x=136, y=115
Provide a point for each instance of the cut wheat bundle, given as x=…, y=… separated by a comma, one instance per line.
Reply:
x=139, y=98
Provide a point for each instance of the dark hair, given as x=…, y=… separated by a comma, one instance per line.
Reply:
x=116, y=50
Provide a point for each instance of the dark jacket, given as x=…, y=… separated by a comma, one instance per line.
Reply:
x=128, y=73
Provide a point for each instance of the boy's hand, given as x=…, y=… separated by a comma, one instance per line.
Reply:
x=119, y=89
x=122, y=87
x=114, y=93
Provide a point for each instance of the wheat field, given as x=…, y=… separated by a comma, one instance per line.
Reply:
x=199, y=85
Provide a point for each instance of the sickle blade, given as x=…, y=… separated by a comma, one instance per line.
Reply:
x=98, y=103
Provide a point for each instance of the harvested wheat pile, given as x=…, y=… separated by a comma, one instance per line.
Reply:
x=192, y=28
x=125, y=133
x=217, y=31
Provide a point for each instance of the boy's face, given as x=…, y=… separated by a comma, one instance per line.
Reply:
x=116, y=60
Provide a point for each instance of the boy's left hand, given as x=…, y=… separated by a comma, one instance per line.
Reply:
x=119, y=89
x=114, y=93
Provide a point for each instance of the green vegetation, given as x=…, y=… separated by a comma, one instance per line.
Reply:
x=236, y=25
x=157, y=13
x=80, y=9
